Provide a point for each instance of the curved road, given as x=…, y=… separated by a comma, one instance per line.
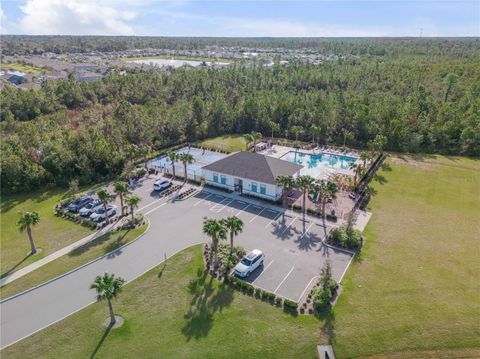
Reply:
x=33, y=310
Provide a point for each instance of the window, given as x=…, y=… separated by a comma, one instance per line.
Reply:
x=223, y=180
x=215, y=177
x=254, y=187
x=256, y=259
x=263, y=189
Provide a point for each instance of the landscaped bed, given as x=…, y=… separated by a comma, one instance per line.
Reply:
x=177, y=311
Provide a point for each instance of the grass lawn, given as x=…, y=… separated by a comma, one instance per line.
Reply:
x=84, y=254
x=187, y=58
x=21, y=67
x=50, y=235
x=173, y=311
x=226, y=143
x=415, y=288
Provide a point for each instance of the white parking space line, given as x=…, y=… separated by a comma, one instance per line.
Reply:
x=214, y=207
x=306, y=231
x=226, y=204
x=148, y=205
x=308, y=285
x=154, y=209
x=203, y=199
x=273, y=220
x=293, y=220
x=264, y=270
x=257, y=215
x=243, y=209
x=291, y=270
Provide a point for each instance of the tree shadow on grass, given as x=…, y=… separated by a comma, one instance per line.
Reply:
x=328, y=328
x=102, y=339
x=207, y=299
x=99, y=241
x=15, y=266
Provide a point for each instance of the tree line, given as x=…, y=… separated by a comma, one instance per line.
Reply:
x=93, y=131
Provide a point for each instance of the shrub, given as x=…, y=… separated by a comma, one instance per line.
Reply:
x=268, y=296
x=346, y=237
x=278, y=301
x=290, y=304
x=321, y=298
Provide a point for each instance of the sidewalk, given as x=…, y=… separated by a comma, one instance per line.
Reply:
x=61, y=252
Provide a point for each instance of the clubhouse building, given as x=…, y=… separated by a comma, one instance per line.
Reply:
x=249, y=173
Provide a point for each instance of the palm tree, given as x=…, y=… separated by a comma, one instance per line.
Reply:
x=255, y=137
x=173, y=156
x=186, y=159
x=235, y=226
x=315, y=130
x=104, y=197
x=121, y=189
x=132, y=202
x=346, y=133
x=305, y=184
x=296, y=130
x=145, y=151
x=25, y=223
x=357, y=170
x=216, y=230
x=108, y=287
x=328, y=191
x=248, y=139
x=274, y=127
x=287, y=183
x=365, y=156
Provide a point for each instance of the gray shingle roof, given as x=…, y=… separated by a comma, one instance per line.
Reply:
x=254, y=166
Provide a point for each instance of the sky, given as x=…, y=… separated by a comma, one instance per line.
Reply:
x=246, y=18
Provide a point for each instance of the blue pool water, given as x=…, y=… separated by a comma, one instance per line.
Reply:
x=202, y=158
x=315, y=165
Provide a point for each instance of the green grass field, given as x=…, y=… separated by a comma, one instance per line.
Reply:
x=230, y=143
x=187, y=58
x=50, y=235
x=84, y=254
x=414, y=292
x=174, y=311
x=21, y=67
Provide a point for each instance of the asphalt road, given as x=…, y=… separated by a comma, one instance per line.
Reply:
x=293, y=247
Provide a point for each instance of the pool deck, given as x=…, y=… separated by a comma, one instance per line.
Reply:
x=278, y=151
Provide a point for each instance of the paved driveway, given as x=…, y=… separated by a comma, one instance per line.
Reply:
x=292, y=246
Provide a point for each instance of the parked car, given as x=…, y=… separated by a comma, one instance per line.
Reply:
x=79, y=203
x=162, y=184
x=99, y=214
x=90, y=208
x=249, y=263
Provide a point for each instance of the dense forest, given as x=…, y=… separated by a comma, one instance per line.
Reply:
x=67, y=130
x=25, y=44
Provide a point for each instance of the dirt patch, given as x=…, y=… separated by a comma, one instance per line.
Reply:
x=118, y=322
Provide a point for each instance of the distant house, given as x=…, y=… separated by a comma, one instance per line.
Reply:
x=88, y=76
x=85, y=67
x=250, y=173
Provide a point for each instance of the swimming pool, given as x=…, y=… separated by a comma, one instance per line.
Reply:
x=202, y=158
x=318, y=164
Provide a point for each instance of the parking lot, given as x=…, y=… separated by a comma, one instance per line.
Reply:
x=293, y=246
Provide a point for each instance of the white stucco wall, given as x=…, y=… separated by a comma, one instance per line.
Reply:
x=272, y=192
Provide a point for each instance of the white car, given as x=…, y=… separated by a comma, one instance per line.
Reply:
x=162, y=184
x=249, y=263
x=90, y=208
x=99, y=214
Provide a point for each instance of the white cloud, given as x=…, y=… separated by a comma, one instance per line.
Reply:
x=3, y=21
x=75, y=17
